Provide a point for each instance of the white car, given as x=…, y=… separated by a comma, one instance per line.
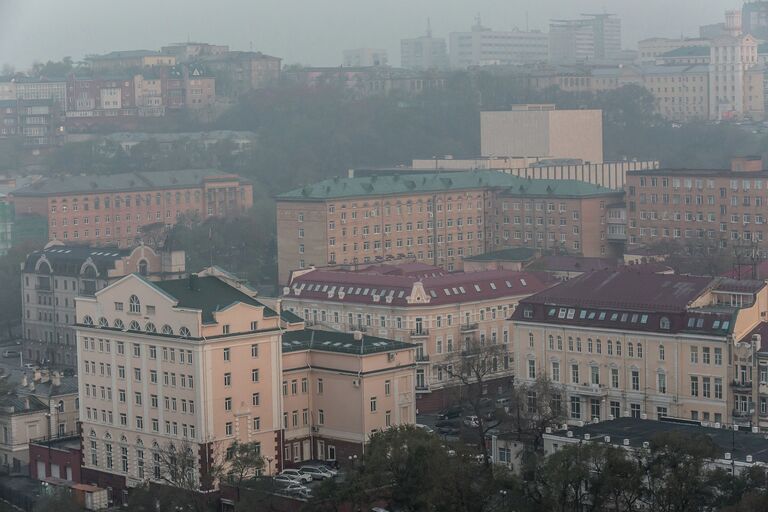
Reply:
x=285, y=480
x=328, y=471
x=314, y=472
x=297, y=475
x=425, y=428
x=471, y=421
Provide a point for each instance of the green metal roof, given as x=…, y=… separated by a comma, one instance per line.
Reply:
x=688, y=51
x=332, y=341
x=513, y=254
x=397, y=184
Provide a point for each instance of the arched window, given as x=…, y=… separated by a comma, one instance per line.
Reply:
x=135, y=304
x=618, y=348
x=87, y=320
x=134, y=326
x=664, y=322
x=119, y=324
x=143, y=268
x=639, y=349
x=167, y=329
x=103, y=322
x=150, y=327
x=662, y=353
x=184, y=332
x=630, y=350
x=610, y=348
x=89, y=272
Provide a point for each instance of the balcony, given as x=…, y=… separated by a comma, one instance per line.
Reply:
x=740, y=385
x=588, y=389
x=422, y=358
x=421, y=387
x=469, y=327
x=419, y=333
x=738, y=413
x=616, y=236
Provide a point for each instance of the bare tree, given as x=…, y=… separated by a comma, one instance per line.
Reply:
x=478, y=363
x=534, y=407
x=243, y=461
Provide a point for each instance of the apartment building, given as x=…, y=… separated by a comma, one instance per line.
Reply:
x=438, y=312
x=735, y=78
x=436, y=218
x=339, y=388
x=129, y=59
x=711, y=207
x=53, y=277
x=114, y=209
x=424, y=52
x=482, y=46
x=41, y=405
x=592, y=37
x=364, y=57
x=241, y=72
x=201, y=363
x=624, y=343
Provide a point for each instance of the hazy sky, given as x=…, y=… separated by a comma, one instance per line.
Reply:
x=306, y=31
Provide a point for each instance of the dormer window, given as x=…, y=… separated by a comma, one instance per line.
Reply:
x=528, y=313
x=664, y=323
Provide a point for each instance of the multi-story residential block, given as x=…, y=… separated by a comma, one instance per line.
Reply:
x=593, y=37
x=53, y=277
x=7, y=88
x=40, y=122
x=191, y=51
x=35, y=89
x=199, y=362
x=439, y=312
x=129, y=60
x=652, y=49
x=482, y=46
x=425, y=52
x=42, y=405
x=437, y=218
x=9, y=118
x=716, y=208
x=542, y=131
x=624, y=343
x=240, y=72
x=115, y=209
x=364, y=58
x=368, y=81
x=735, y=78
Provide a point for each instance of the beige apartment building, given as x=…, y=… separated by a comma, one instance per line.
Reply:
x=623, y=343
x=735, y=78
x=712, y=207
x=542, y=130
x=437, y=218
x=199, y=362
x=440, y=313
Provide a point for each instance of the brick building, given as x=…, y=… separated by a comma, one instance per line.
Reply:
x=711, y=207
x=441, y=313
x=624, y=343
x=113, y=209
x=437, y=218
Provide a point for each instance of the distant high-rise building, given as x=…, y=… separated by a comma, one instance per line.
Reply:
x=485, y=47
x=754, y=18
x=593, y=37
x=425, y=52
x=365, y=58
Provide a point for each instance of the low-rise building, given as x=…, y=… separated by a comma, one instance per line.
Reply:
x=241, y=72
x=364, y=58
x=53, y=277
x=129, y=60
x=42, y=405
x=440, y=313
x=636, y=343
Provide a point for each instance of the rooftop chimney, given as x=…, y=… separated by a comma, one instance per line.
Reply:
x=56, y=379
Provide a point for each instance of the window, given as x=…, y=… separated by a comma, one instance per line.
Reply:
x=228, y=403
x=227, y=379
x=662, y=383
x=228, y=428
x=226, y=350
x=531, y=369
x=373, y=404
x=694, y=385
x=694, y=354
x=635, y=380
x=134, y=304
x=319, y=386
x=254, y=350
x=321, y=416
x=575, y=407
x=255, y=376
x=255, y=399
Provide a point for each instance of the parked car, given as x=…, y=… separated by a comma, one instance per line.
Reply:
x=446, y=423
x=448, y=431
x=451, y=412
x=471, y=421
x=327, y=470
x=425, y=428
x=296, y=489
x=11, y=353
x=297, y=475
x=315, y=472
x=284, y=480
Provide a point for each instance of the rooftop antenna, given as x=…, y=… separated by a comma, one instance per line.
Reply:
x=429, y=28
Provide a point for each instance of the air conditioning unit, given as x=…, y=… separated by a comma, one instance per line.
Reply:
x=356, y=383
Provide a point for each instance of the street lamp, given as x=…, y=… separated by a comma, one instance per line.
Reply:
x=269, y=465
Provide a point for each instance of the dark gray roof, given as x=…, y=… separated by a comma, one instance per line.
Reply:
x=132, y=181
x=739, y=444
x=21, y=403
x=332, y=341
x=67, y=259
x=67, y=386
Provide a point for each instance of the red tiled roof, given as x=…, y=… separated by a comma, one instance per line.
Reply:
x=375, y=283
x=626, y=290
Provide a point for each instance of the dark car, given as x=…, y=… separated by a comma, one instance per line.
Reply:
x=448, y=431
x=451, y=412
x=447, y=423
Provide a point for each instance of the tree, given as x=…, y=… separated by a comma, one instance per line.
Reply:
x=533, y=408
x=243, y=461
x=471, y=369
x=58, y=499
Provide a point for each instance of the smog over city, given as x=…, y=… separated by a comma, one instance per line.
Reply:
x=338, y=256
